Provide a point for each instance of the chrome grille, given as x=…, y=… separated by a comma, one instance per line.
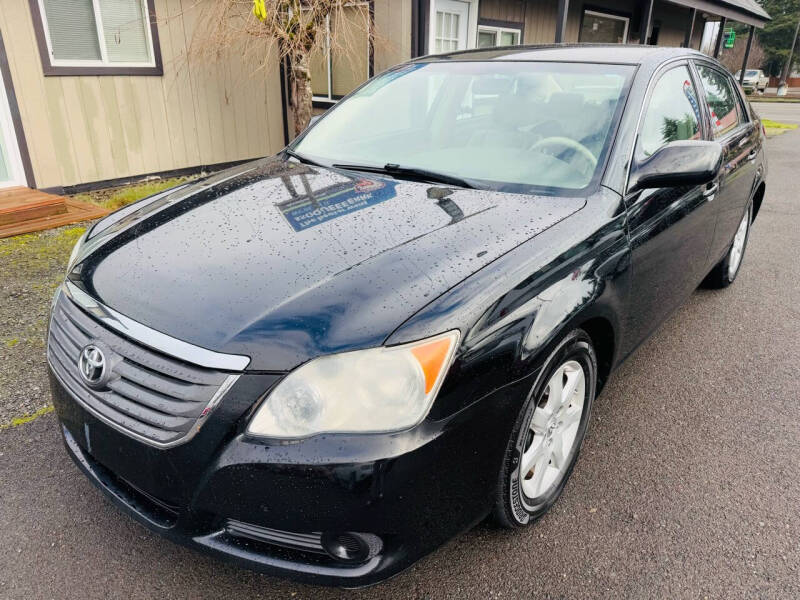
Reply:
x=148, y=395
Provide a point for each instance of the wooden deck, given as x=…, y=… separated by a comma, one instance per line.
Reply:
x=23, y=210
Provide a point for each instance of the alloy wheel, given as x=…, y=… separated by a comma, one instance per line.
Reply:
x=737, y=249
x=552, y=431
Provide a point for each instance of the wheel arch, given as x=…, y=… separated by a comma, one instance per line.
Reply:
x=758, y=198
x=602, y=333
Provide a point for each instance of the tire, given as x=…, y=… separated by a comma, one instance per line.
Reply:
x=725, y=271
x=544, y=435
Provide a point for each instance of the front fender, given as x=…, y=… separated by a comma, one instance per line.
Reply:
x=512, y=312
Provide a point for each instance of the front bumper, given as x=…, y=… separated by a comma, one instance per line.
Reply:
x=414, y=490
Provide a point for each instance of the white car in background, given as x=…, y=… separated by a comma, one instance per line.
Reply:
x=754, y=80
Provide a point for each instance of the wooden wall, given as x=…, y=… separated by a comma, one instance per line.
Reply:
x=393, y=33
x=392, y=38
x=85, y=129
x=674, y=20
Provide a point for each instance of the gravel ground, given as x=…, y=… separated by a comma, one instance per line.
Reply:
x=688, y=485
x=31, y=267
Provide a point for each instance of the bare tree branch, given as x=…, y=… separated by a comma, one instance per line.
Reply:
x=265, y=31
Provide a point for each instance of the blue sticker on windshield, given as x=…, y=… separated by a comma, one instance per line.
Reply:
x=335, y=201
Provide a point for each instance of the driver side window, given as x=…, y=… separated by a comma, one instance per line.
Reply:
x=672, y=113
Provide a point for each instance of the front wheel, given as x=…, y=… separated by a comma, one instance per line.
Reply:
x=548, y=434
x=725, y=271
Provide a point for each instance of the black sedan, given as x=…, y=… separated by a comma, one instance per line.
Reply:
x=327, y=363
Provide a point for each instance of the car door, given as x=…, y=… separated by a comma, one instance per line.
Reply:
x=731, y=126
x=670, y=229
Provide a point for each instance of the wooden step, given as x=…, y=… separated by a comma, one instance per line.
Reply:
x=23, y=210
x=76, y=212
x=29, y=204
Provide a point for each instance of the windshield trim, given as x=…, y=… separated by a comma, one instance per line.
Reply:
x=503, y=186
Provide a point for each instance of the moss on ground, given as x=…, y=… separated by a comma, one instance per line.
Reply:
x=33, y=256
x=17, y=421
x=114, y=198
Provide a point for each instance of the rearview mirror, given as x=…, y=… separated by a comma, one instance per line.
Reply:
x=689, y=162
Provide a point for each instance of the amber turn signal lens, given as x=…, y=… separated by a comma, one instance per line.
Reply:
x=431, y=358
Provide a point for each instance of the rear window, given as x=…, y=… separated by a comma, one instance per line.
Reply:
x=722, y=100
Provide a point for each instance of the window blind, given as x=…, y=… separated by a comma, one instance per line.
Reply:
x=124, y=30
x=72, y=29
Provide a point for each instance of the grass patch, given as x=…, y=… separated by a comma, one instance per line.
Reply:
x=776, y=99
x=34, y=249
x=114, y=198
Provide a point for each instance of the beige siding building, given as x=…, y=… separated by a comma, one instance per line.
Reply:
x=87, y=122
x=97, y=91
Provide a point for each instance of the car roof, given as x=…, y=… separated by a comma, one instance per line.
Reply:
x=633, y=54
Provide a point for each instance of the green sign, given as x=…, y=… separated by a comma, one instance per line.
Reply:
x=730, y=38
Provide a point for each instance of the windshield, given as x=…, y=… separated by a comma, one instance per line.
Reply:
x=498, y=125
x=751, y=73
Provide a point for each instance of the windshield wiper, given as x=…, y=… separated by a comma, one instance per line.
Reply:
x=301, y=158
x=412, y=172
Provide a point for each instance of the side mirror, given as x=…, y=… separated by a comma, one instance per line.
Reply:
x=689, y=162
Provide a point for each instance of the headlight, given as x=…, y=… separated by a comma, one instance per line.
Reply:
x=75, y=250
x=375, y=390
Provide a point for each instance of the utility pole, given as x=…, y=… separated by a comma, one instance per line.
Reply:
x=782, y=87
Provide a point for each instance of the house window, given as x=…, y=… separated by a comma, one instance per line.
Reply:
x=453, y=25
x=603, y=28
x=343, y=63
x=490, y=35
x=97, y=37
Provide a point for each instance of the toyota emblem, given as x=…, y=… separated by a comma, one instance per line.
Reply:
x=93, y=366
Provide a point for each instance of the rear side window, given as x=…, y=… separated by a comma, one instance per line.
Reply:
x=722, y=101
x=672, y=112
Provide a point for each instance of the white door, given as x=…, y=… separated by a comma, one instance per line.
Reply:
x=449, y=26
x=11, y=172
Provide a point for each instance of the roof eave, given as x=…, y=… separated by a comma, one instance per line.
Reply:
x=729, y=11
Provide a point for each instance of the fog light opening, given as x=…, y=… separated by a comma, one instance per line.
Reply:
x=351, y=548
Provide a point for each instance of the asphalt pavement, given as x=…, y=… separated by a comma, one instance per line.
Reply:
x=783, y=112
x=688, y=485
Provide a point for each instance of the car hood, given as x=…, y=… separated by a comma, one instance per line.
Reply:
x=282, y=261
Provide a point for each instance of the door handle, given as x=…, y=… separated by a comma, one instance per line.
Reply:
x=710, y=192
x=752, y=156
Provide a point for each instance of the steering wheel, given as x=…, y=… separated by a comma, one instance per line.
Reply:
x=568, y=143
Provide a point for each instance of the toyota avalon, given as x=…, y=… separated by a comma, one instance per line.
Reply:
x=327, y=363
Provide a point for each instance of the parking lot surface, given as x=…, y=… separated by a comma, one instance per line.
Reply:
x=688, y=485
x=783, y=112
